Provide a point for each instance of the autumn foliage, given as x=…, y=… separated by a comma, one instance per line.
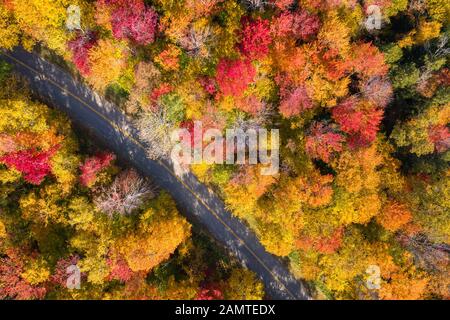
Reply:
x=34, y=165
x=363, y=116
x=113, y=234
x=92, y=166
x=255, y=39
x=80, y=47
x=134, y=21
x=323, y=142
x=234, y=76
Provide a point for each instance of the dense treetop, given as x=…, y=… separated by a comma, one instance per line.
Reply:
x=363, y=115
x=61, y=207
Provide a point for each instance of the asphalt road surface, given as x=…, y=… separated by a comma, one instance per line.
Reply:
x=111, y=127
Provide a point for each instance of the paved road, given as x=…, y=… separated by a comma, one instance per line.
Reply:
x=111, y=127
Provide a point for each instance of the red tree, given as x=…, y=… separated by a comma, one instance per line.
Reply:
x=294, y=101
x=34, y=165
x=234, y=76
x=92, y=166
x=12, y=285
x=440, y=137
x=80, y=47
x=299, y=25
x=368, y=61
x=163, y=89
x=347, y=116
x=360, y=121
x=211, y=292
x=60, y=276
x=208, y=84
x=119, y=270
x=134, y=21
x=322, y=142
x=255, y=38
x=325, y=245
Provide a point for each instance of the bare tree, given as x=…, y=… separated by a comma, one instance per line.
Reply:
x=428, y=255
x=258, y=121
x=196, y=41
x=127, y=193
x=255, y=4
x=155, y=130
x=440, y=50
x=378, y=91
x=416, y=5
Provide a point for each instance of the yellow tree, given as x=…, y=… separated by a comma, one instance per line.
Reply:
x=9, y=30
x=243, y=285
x=45, y=20
x=160, y=231
x=108, y=63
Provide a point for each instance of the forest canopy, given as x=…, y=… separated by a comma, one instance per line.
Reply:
x=67, y=204
x=363, y=113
